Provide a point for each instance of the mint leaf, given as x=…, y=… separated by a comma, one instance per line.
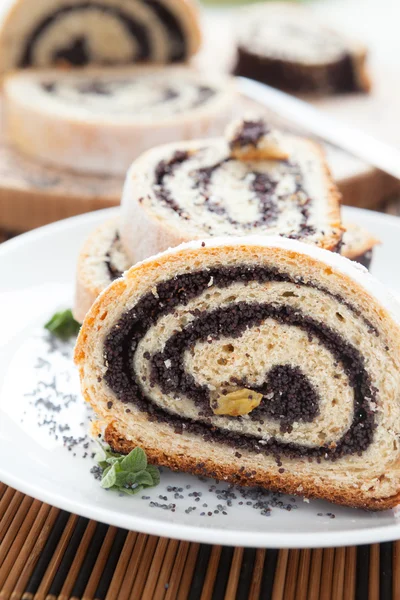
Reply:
x=63, y=325
x=106, y=470
x=136, y=461
x=103, y=465
x=144, y=478
x=106, y=455
x=128, y=474
x=131, y=478
x=101, y=460
x=101, y=454
x=101, y=457
x=132, y=491
x=154, y=473
x=114, y=460
x=121, y=479
x=109, y=478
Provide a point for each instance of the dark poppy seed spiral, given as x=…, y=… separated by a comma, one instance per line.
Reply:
x=168, y=372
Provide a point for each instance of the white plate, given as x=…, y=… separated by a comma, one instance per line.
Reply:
x=39, y=399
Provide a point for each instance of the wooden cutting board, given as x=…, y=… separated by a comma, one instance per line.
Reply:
x=32, y=195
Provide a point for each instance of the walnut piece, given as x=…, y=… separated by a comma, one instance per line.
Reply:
x=235, y=404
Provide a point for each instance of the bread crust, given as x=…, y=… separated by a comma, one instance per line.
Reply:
x=361, y=72
x=335, y=197
x=206, y=467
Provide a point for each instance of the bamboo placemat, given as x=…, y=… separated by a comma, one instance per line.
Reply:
x=49, y=554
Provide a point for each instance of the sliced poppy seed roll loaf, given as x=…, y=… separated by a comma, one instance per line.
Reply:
x=77, y=33
x=286, y=46
x=233, y=186
x=103, y=259
x=97, y=120
x=257, y=360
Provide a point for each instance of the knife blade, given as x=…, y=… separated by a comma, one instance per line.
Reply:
x=362, y=145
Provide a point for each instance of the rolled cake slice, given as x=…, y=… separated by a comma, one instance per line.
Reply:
x=185, y=191
x=98, y=120
x=286, y=46
x=103, y=259
x=49, y=33
x=257, y=360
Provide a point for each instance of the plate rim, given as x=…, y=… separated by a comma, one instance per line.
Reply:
x=172, y=529
x=191, y=533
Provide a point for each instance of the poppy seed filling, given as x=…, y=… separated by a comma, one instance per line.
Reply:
x=112, y=89
x=250, y=133
x=261, y=185
x=293, y=396
x=338, y=76
x=113, y=271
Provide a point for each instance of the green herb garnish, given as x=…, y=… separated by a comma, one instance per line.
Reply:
x=128, y=474
x=63, y=325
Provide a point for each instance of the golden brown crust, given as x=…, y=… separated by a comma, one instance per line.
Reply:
x=206, y=467
x=361, y=72
x=249, y=153
x=111, y=294
x=335, y=198
x=84, y=297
